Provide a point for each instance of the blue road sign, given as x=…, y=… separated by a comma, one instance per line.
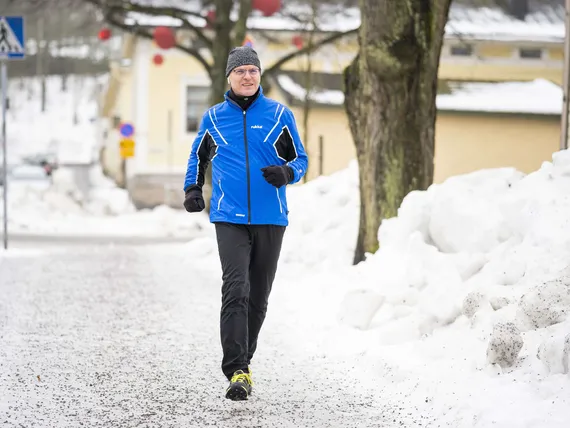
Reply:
x=12, y=40
x=127, y=129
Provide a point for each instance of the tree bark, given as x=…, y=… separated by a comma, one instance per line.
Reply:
x=309, y=82
x=390, y=90
x=223, y=29
x=240, y=29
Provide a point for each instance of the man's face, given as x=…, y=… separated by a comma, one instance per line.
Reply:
x=244, y=80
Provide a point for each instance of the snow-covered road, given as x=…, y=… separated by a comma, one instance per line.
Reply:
x=128, y=337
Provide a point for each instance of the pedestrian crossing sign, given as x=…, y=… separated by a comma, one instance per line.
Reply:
x=12, y=43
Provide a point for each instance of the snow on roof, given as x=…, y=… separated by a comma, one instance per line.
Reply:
x=320, y=96
x=485, y=23
x=534, y=97
x=544, y=23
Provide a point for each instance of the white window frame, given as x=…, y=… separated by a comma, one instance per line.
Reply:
x=199, y=82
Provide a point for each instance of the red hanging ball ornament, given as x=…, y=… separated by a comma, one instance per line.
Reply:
x=104, y=34
x=158, y=59
x=210, y=18
x=164, y=37
x=298, y=41
x=267, y=7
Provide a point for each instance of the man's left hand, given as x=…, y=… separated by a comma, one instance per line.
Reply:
x=278, y=175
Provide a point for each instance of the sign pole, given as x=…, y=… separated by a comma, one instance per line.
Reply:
x=4, y=74
x=566, y=82
x=12, y=46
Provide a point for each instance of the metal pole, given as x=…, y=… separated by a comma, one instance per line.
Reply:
x=321, y=155
x=566, y=79
x=168, y=185
x=4, y=151
x=169, y=138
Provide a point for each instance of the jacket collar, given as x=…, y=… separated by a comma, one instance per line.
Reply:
x=235, y=105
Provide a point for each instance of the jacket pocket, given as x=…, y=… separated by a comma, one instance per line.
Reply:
x=221, y=195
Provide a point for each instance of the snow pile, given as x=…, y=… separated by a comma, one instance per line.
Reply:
x=471, y=285
x=483, y=240
x=60, y=210
x=323, y=221
x=105, y=198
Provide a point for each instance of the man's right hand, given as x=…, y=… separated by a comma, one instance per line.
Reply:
x=193, y=201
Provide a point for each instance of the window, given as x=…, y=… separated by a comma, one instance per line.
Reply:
x=196, y=105
x=462, y=50
x=530, y=53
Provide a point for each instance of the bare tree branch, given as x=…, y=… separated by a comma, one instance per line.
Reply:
x=110, y=7
x=173, y=12
x=147, y=35
x=241, y=24
x=124, y=6
x=307, y=49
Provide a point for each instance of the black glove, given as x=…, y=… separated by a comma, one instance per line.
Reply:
x=194, y=202
x=278, y=175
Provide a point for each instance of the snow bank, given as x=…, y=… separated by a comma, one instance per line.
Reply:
x=496, y=233
x=107, y=212
x=323, y=221
x=472, y=281
x=59, y=208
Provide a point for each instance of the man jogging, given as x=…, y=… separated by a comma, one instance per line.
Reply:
x=255, y=150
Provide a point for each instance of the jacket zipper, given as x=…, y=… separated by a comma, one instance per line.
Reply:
x=247, y=169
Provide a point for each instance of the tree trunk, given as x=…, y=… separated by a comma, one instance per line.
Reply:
x=390, y=90
x=220, y=50
x=307, y=107
x=309, y=82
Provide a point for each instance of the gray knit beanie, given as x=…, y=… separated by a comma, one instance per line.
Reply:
x=243, y=55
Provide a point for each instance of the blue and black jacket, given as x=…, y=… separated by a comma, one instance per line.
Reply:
x=238, y=143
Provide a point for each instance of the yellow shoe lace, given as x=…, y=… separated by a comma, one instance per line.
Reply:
x=242, y=377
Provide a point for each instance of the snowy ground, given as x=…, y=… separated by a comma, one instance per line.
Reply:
x=125, y=337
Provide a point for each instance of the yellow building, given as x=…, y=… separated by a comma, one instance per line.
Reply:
x=499, y=102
